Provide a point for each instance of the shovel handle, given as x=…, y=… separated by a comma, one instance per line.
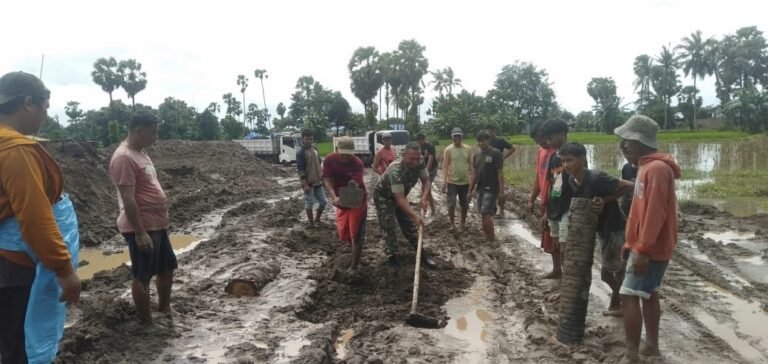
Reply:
x=415, y=301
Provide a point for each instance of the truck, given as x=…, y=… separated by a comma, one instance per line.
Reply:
x=367, y=146
x=278, y=148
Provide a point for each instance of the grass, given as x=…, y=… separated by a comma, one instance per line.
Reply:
x=736, y=184
x=325, y=148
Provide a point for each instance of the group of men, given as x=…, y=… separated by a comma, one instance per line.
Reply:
x=37, y=223
x=637, y=224
x=465, y=175
x=636, y=237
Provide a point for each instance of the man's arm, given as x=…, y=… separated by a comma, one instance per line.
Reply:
x=376, y=160
x=657, y=193
x=500, y=172
x=402, y=203
x=131, y=208
x=446, y=166
x=328, y=181
x=430, y=161
x=510, y=150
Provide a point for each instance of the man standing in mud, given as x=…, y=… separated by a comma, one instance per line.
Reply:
x=384, y=156
x=430, y=159
x=457, y=169
x=310, y=174
x=487, y=182
x=501, y=145
x=651, y=234
x=343, y=176
x=30, y=184
x=560, y=192
x=144, y=218
x=392, y=207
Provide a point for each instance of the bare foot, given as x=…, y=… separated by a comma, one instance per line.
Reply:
x=630, y=359
x=649, y=350
x=553, y=275
x=614, y=312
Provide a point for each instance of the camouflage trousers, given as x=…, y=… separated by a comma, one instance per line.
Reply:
x=390, y=216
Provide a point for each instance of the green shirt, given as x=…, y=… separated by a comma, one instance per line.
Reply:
x=400, y=179
x=456, y=164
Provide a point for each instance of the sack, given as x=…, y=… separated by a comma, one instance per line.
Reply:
x=44, y=324
x=350, y=196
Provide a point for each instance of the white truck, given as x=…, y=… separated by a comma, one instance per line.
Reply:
x=279, y=148
x=367, y=146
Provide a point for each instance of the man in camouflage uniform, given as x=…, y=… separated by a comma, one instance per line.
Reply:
x=390, y=196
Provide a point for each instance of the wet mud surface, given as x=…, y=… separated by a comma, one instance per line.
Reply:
x=495, y=306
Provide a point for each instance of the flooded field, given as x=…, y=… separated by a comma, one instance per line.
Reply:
x=702, y=163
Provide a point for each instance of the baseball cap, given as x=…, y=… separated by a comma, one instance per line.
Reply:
x=457, y=131
x=345, y=145
x=386, y=134
x=639, y=128
x=21, y=84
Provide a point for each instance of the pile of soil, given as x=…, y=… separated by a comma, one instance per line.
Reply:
x=197, y=176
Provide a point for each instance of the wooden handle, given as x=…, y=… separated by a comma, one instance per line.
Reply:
x=418, y=266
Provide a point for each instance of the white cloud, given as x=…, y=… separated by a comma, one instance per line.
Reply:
x=194, y=51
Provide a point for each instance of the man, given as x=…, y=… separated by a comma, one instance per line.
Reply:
x=555, y=131
x=457, y=169
x=541, y=189
x=604, y=190
x=430, y=159
x=392, y=207
x=310, y=174
x=651, y=234
x=30, y=184
x=500, y=144
x=343, y=176
x=487, y=182
x=384, y=156
x=628, y=173
x=144, y=218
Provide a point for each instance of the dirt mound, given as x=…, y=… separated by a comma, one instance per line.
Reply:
x=197, y=176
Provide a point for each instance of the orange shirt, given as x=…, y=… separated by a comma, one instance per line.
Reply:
x=30, y=184
x=652, y=222
x=386, y=157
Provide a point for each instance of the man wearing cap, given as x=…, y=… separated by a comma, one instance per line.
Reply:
x=651, y=234
x=384, y=156
x=457, y=167
x=31, y=184
x=429, y=154
x=343, y=176
x=392, y=206
x=501, y=144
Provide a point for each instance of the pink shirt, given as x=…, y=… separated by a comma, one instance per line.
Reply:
x=386, y=157
x=133, y=168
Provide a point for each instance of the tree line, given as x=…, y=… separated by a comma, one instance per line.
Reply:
x=521, y=95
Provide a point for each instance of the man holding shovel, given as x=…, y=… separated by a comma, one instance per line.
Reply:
x=391, y=199
x=343, y=178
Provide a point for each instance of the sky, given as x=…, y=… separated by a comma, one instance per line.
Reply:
x=194, y=51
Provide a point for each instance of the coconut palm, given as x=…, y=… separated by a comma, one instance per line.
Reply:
x=642, y=68
x=242, y=81
x=694, y=62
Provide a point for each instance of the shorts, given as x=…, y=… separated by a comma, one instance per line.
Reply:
x=460, y=191
x=486, y=202
x=558, y=229
x=316, y=193
x=162, y=259
x=645, y=285
x=351, y=223
x=611, y=245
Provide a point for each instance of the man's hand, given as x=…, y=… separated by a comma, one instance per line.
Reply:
x=444, y=189
x=531, y=205
x=418, y=221
x=544, y=223
x=335, y=200
x=144, y=242
x=640, y=264
x=501, y=197
x=70, y=288
x=472, y=194
x=424, y=203
x=598, y=203
x=306, y=187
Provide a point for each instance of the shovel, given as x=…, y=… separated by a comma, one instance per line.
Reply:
x=414, y=318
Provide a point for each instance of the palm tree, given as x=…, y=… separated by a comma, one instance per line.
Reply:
x=414, y=67
x=694, y=61
x=366, y=79
x=450, y=80
x=438, y=81
x=242, y=81
x=642, y=68
x=105, y=74
x=664, y=79
x=261, y=75
x=134, y=79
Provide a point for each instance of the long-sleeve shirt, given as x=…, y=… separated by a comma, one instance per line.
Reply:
x=30, y=184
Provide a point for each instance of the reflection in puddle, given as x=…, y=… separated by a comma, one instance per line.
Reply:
x=342, y=343
x=470, y=322
x=98, y=262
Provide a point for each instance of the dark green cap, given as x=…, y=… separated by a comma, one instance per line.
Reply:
x=21, y=84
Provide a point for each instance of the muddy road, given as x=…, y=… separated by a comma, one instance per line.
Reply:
x=495, y=307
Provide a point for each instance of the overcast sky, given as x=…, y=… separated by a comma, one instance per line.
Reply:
x=194, y=50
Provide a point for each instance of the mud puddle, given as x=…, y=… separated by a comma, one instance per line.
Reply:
x=342, y=343
x=470, y=322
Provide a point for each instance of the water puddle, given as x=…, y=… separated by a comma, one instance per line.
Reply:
x=98, y=261
x=290, y=348
x=727, y=237
x=469, y=322
x=342, y=343
x=519, y=229
x=756, y=260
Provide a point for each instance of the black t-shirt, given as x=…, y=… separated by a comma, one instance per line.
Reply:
x=628, y=173
x=488, y=165
x=560, y=192
x=600, y=184
x=501, y=144
x=426, y=150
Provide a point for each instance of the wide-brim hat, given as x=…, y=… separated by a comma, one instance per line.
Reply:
x=639, y=128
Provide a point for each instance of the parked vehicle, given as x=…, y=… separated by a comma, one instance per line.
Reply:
x=367, y=146
x=279, y=148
